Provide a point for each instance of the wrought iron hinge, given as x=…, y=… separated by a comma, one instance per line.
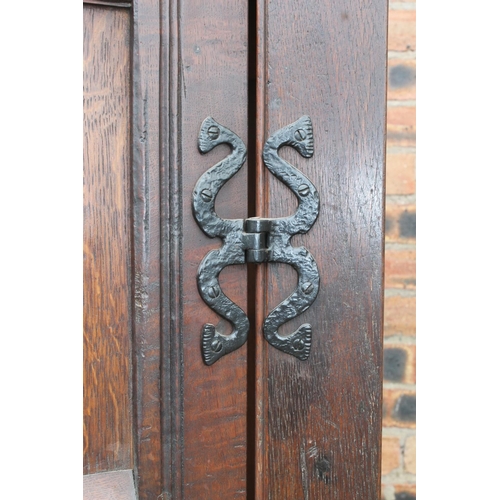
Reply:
x=256, y=240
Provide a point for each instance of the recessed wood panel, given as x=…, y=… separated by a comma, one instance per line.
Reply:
x=107, y=296
x=319, y=421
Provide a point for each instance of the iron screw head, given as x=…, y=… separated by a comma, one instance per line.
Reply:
x=206, y=195
x=216, y=345
x=300, y=135
x=307, y=287
x=213, y=132
x=213, y=292
x=298, y=344
x=303, y=190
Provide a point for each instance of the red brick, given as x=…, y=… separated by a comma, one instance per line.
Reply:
x=409, y=375
x=401, y=126
x=400, y=269
x=399, y=316
x=395, y=401
x=400, y=173
x=401, y=79
x=391, y=454
x=402, y=30
x=399, y=223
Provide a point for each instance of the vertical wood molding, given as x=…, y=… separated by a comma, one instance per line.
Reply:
x=171, y=237
x=146, y=245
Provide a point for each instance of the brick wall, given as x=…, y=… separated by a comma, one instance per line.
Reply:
x=398, y=435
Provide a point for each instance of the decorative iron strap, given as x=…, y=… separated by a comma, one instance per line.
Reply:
x=256, y=240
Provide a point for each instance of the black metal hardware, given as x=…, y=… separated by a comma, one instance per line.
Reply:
x=256, y=240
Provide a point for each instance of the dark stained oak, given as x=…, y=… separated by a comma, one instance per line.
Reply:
x=208, y=413
x=188, y=61
x=258, y=423
x=107, y=295
x=146, y=226
x=319, y=421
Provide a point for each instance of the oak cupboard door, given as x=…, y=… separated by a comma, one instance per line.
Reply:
x=206, y=416
x=258, y=423
x=319, y=422
x=152, y=72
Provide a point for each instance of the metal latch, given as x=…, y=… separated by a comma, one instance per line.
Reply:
x=256, y=240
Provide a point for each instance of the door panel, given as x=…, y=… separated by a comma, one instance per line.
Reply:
x=107, y=295
x=208, y=75
x=319, y=420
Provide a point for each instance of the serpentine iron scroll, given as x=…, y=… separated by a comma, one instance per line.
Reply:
x=256, y=240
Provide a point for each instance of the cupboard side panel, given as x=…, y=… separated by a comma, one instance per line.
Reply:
x=107, y=297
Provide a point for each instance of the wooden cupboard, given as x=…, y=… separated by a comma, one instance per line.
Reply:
x=258, y=423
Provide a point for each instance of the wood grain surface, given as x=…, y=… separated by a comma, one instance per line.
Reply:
x=118, y=485
x=208, y=71
x=146, y=195
x=107, y=295
x=319, y=421
x=298, y=430
x=189, y=61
